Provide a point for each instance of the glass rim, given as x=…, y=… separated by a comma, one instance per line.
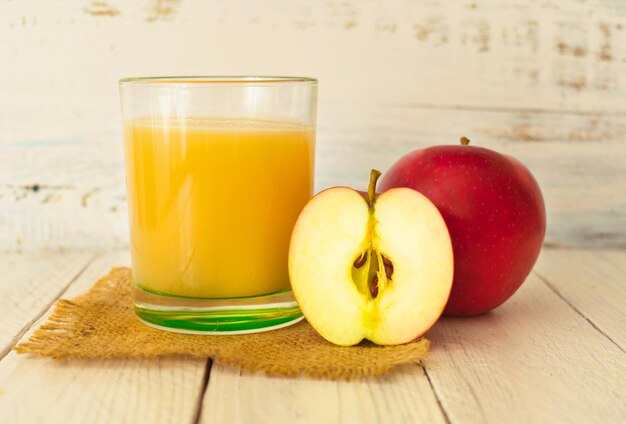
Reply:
x=218, y=80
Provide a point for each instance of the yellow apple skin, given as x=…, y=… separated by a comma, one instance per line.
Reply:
x=334, y=229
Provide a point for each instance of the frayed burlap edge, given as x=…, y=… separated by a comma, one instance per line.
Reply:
x=101, y=324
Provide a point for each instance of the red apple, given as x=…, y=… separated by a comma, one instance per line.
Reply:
x=495, y=214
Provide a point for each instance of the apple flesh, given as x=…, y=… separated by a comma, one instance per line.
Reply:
x=494, y=211
x=377, y=268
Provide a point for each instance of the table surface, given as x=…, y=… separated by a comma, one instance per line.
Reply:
x=553, y=353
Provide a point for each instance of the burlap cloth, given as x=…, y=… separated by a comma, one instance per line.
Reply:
x=101, y=324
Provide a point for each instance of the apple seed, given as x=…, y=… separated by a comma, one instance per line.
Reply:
x=358, y=262
x=374, y=286
x=388, y=271
x=388, y=267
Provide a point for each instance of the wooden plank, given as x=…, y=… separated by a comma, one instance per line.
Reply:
x=593, y=282
x=165, y=390
x=30, y=284
x=567, y=153
x=533, y=54
x=539, y=79
x=530, y=55
x=236, y=397
x=534, y=359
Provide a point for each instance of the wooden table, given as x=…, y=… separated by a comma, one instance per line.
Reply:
x=553, y=353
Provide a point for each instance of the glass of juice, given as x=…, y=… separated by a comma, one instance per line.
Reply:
x=217, y=172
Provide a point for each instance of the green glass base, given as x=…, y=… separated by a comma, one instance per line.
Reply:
x=217, y=316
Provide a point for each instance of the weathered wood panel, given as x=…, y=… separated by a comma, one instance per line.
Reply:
x=72, y=193
x=534, y=359
x=544, y=356
x=233, y=396
x=31, y=284
x=542, y=80
x=162, y=390
x=593, y=283
x=522, y=54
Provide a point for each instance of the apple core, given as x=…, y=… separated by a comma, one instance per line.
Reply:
x=371, y=270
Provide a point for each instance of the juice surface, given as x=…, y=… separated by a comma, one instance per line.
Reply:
x=212, y=203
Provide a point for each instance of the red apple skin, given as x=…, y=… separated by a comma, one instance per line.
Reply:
x=495, y=214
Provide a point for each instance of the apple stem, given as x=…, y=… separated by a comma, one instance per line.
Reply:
x=465, y=141
x=371, y=189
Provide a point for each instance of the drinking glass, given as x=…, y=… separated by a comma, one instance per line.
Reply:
x=217, y=171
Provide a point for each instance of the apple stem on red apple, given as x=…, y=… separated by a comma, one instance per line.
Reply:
x=371, y=189
x=465, y=141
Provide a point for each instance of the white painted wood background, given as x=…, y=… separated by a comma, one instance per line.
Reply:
x=543, y=80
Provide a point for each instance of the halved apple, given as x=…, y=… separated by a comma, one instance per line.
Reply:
x=368, y=267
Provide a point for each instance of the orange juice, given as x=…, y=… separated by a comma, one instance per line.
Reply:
x=212, y=203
